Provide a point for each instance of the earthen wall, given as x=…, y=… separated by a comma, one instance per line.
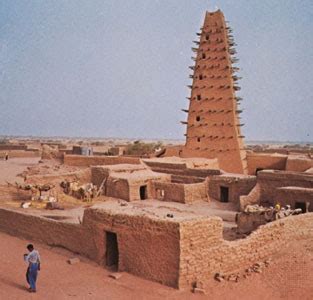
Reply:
x=19, y=153
x=292, y=195
x=147, y=248
x=204, y=252
x=298, y=164
x=87, y=161
x=237, y=187
x=265, y=162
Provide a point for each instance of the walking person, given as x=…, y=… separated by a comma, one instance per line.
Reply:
x=33, y=260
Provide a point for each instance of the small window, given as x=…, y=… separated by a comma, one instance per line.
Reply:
x=198, y=118
x=200, y=77
x=207, y=37
x=203, y=55
x=198, y=97
x=198, y=139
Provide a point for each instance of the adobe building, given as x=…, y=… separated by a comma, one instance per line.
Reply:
x=213, y=126
x=159, y=219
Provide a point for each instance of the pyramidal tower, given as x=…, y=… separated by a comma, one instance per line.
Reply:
x=213, y=126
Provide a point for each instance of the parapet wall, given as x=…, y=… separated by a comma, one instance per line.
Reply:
x=73, y=237
x=87, y=161
x=204, y=252
x=177, y=192
x=265, y=161
x=298, y=164
x=267, y=190
x=269, y=181
x=19, y=153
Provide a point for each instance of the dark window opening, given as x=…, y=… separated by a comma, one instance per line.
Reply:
x=198, y=139
x=143, y=192
x=207, y=37
x=200, y=77
x=198, y=118
x=224, y=193
x=198, y=97
x=301, y=205
x=111, y=250
x=203, y=55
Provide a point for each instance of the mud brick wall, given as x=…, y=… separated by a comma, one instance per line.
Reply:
x=167, y=191
x=19, y=153
x=195, y=192
x=290, y=196
x=98, y=173
x=197, y=239
x=297, y=164
x=87, y=161
x=83, y=176
x=73, y=237
x=117, y=188
x=263, y=161
x=177, y=192
x=147, y=248
x=204, y=252
x=270, y=181
x=12, y=147
x=252, y=198
x=237, y=187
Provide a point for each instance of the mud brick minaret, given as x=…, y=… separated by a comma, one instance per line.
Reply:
x=213, y=127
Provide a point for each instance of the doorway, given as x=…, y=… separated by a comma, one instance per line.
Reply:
x=301, y=205
x=224, y=191
x=258, y=170
x=111, y=249
x=143, y=192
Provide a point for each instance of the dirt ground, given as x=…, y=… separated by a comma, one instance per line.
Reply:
x=287, y=277
x=11, y=168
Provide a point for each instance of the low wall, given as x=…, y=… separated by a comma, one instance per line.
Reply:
x=19, y=153
x=87, y=161
x=252, y=198
x=298, y=164
x=204, y=252
x=237, y=186
x=138, y=238
x=269, y=181
x=12, y=147
x=292, y=195
x=177, y=192
x=74, y=237
x=83, y=176
x=265, y=161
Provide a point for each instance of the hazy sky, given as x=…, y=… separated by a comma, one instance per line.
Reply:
x=120, y=68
